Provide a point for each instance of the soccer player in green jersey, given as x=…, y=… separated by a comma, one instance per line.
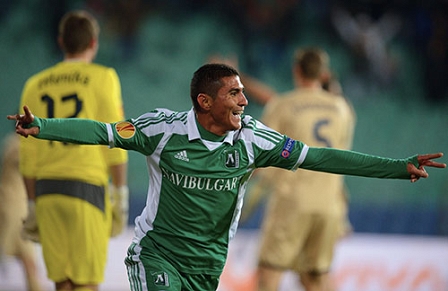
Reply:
x=69, y=183
x=199, y=163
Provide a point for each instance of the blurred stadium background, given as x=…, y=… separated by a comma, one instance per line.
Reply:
x=390, y=56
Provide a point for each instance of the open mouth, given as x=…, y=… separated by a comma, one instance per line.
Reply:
x=238, y=113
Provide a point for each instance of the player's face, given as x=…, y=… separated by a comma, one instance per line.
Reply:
x=228, y=105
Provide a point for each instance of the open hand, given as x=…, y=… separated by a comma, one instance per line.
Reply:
x=424, y=160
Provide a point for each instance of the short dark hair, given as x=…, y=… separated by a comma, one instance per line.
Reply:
x=77, y=29
x=208, y=79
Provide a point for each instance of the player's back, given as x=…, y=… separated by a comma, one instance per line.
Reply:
x=316, y=117
x=319, y=119
x=75, y=90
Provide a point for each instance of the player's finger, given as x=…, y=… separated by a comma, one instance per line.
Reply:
x=429, y=156
x=13, y=117
x=435, y=164
x=420, y=172
x=427, y=160
x=21, y=131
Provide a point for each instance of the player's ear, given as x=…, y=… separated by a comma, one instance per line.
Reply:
x=93, y=43
x=61, y=43
x=205, y=101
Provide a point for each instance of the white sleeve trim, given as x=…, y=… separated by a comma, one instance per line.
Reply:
x=301, y=157
x=110, y=135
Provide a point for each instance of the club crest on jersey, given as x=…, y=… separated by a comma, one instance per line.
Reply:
x=232, y=159
x=287, y=148
x=160, y=278
x=125, y=129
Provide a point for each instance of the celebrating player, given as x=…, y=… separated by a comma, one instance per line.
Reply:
x=199, y=163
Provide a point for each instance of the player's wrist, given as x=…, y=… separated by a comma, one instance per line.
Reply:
x=413, y=160
x=120, y=194
x=37, y=122
x=31, y=203
x=120, y=208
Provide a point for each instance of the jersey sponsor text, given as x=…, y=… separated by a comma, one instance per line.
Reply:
x=199, y=183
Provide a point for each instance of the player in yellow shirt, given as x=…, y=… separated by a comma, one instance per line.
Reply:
x=69, y=183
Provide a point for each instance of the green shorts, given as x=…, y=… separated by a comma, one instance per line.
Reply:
x=148, y=271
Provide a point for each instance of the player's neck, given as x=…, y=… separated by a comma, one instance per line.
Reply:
x=82, y=57
x=309, y=84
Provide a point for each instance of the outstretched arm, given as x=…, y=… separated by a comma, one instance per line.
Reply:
x=72, y=130
x=359, y=164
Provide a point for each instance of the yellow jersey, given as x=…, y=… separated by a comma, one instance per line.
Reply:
x=72, y=89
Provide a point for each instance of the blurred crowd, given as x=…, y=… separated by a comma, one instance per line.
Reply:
x=369, y=29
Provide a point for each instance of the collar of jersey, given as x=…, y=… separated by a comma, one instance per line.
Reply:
x=197, y=131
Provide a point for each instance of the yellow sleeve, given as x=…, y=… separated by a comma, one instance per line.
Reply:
x=112, y=111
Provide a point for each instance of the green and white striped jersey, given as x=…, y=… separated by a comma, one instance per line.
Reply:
x=197, y=182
